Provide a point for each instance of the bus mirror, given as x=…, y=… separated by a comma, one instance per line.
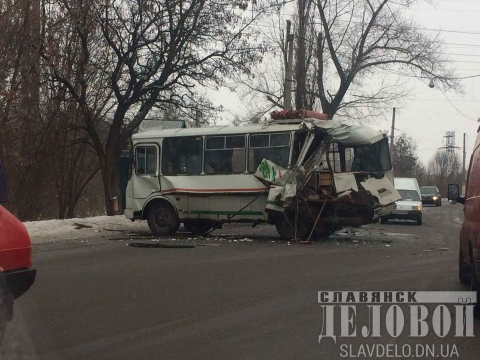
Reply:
x=454, y=194
x=3, y=187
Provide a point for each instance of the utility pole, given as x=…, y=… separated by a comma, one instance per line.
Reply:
x=464, y=162
x=464, y=155
x=392, y=132
x=287, y=96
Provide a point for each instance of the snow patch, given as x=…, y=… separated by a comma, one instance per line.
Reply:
x=58, y=230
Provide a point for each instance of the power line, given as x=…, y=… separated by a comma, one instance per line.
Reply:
x=452, y=31
x=451, y=103
x=449, y=10
x=472, y=55
x=457, y=44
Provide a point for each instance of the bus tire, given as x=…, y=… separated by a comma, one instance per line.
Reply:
x=197, y=226
x=285, y=226
x=162, y=218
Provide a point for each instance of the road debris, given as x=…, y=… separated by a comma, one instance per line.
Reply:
x=388, y=241
x=161, y=245
x=80, y=226
x=397, y=234
x=443, y=249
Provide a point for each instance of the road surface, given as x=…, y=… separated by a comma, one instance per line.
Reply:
x=251, y=296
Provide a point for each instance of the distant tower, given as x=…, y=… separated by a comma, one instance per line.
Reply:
x=450, y=142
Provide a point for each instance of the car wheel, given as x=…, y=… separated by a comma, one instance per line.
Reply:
x=419, y=220
x=197, y=226
x=383, y=220
x=440, y=202
x=464, y=272
x=163, y=219
x=285, y=225
x=474, y=286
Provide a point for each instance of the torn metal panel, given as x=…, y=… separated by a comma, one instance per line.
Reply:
x=345, y=134
x=274, y=198
x=382, y=189
x=306, y=146
x=270, y=173
x=344, y=182
x=312, y=163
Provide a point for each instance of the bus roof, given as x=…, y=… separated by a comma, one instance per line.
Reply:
x=216, y=130
x=337, y=131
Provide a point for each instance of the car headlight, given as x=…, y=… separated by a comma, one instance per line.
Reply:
x=419, y=208
x=435, y=198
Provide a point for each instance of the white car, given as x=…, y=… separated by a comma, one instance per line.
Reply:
x=410, y=206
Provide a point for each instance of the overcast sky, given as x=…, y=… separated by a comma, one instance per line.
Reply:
x=427, y=114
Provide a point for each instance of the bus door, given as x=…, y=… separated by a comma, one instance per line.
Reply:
x=147, y=172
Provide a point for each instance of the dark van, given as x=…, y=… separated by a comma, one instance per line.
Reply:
x=469, y=251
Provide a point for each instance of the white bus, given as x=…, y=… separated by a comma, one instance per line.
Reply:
x=303, y=175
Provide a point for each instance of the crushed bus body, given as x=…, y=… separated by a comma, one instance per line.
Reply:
x=306, y=175
x=342, y=177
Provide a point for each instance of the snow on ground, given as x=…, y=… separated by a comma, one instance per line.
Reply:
x=69, y=229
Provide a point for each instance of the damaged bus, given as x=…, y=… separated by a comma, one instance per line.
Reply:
x=306, y=175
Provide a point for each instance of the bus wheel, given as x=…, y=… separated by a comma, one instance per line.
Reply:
x=197, y=226
x=162, y=219
x=285, y=225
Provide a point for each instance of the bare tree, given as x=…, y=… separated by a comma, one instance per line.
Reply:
x=152, y=52
x=359, y=53
x=404, y=157
x=25, y=134
x=445, y=167
x=63, y=55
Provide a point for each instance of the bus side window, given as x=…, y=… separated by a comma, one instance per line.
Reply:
x=146, y=160
x=140, y=161
x=182, y=155
x=225, y=154
x=274, y=147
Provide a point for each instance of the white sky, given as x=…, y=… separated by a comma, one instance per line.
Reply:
x=427, y=114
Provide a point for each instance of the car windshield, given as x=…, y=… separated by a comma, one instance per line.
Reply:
x=428, y=190
x=409, y=195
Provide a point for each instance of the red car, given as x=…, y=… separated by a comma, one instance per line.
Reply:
x=16, y=271
x=469, y=251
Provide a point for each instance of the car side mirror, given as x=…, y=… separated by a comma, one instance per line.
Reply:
x=3, y=187
x=454, y=194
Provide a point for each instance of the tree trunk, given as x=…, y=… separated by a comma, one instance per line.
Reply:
x=111, y=185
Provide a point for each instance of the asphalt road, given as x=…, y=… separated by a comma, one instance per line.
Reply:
x=245, y=298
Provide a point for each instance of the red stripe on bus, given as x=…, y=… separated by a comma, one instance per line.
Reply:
x=214, y=190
